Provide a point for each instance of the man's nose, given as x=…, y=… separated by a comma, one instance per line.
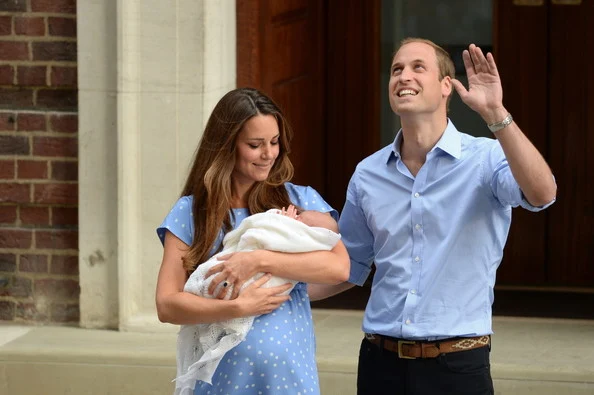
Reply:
x=406, y=74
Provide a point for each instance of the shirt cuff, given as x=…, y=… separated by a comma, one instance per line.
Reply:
x=359, y=273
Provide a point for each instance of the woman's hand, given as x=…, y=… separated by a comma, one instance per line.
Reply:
x=234, y=270
x=255, y=300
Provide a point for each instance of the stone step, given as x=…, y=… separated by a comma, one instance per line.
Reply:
x=529, y=356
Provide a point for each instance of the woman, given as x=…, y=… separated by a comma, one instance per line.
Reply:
x=241, y=168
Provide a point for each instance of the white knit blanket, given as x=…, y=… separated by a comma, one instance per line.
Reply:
x=201, y=347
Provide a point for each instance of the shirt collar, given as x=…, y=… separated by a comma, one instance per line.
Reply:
x=450, y=143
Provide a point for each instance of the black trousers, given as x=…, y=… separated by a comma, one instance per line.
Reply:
x=381, y=372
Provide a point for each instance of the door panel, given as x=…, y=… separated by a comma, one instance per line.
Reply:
x=353, y=76
x=280, y=50
x=291, y=58
x=548, y=79
x=278, y=8
x=521, y=52
x=308, y=146
x=571, y=98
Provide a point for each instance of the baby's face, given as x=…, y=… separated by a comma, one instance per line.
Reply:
x=310, y=218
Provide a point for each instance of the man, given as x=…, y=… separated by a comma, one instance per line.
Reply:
x=432, y=211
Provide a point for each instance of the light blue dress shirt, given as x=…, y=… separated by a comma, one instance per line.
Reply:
x=436, y=239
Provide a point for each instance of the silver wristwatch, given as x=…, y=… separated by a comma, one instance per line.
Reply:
x=495, y=127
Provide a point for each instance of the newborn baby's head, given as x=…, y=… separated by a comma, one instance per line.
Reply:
x=312, y=218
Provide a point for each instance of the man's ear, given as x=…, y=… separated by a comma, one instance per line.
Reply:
x=446, y=86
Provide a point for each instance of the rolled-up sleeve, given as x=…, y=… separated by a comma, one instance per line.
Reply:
x=503, y=184
x=356, y=236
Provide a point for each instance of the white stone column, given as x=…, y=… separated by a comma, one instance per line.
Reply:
x=174, y=61
x=97, y=176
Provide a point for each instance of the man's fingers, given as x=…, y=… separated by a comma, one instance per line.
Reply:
x=468, y=65
x=460, y=88
x=482, y=61
x=475, y=58
x=492, y=65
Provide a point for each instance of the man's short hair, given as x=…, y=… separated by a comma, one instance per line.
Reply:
x=444, y=60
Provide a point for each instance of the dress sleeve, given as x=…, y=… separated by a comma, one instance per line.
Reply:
x=179, y=221
x=309, y=199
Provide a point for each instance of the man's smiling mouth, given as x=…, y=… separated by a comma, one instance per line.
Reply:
x=406, y=92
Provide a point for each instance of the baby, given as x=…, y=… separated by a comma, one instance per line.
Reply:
x=309, y=217
x=248, y=237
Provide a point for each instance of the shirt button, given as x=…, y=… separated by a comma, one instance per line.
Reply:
x=417, y=259
x=413, y=291
x=417, y=194
x=407, y=322
x=417, y=227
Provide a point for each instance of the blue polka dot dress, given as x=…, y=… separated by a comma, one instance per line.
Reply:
x=278, y=354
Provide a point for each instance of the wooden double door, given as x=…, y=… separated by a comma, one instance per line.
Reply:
x=547, y=65
x=320, y=60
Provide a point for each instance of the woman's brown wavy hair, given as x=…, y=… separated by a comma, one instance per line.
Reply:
x=209, y=181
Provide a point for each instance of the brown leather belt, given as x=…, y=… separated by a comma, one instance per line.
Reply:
x=409, y=349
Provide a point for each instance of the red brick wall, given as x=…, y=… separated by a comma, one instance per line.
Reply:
x=38, y=162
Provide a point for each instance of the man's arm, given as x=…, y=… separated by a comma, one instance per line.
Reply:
x=485, y=96
x=358, y=238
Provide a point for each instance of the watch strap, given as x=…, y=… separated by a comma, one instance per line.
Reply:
x=495, y=127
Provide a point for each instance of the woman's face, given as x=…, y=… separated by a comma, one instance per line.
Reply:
x=257, y=149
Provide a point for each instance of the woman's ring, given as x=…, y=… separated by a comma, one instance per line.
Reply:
x=225, y=284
